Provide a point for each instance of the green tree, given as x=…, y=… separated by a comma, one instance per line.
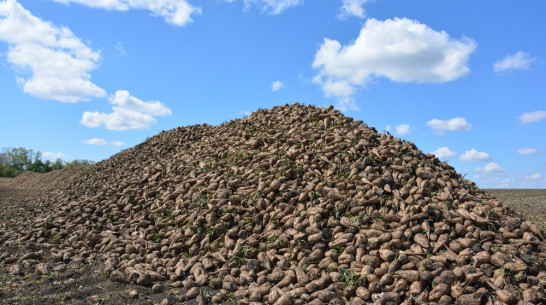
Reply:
x=4, y=157
x=58, y=164
x=14, y=161
x=21, y=158
x=7, y=171
x=80, y=162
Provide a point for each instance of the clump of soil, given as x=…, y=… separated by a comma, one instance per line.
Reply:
x=292, y=205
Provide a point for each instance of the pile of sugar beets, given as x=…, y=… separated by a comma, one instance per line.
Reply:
x=292, y=205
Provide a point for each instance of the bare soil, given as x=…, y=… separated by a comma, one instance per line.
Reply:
x=531, y=203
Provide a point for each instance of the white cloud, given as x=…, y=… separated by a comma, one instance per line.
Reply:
x=123, y=99
x=273, y=7
x=455, y=124
x=496, y=181
x=527, y=151
x=444, y=153
x=535, y=176
x=531, y=117
x=490, y=168
x=96, y=141
x=504, y=183
x=503, y=179
x=276, y=85
x=175, y=12
x=346, y=104
x=353, y=8
x=401, y=50
x=402, y=129
x=117, y=143
x=119, y=49
x=102, y=142
x=53, y=156
x=129, y=113
x=518, y=61
x=340, y=88
x=474, y=155
x=58, y=62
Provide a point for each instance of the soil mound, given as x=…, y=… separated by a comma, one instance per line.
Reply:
x=292, y=205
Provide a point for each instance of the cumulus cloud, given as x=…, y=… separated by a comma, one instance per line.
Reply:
x=535, y=176
x=96, y=141
x=505, y=183
x=346, y=104
x=276, y=85
x=117, y=143
x=273, y=7
x=58, y=62
x=531, y=117
x=119, y=50
x=501, y=183
x=518, y=61
x=128, y=113
x=53, y=156
x=527, y=151
x=455, y=124
x=401, y=50
x=352, y=8
x=402, y=129
x=175, y=12
x=474, y=155
x=102, y=142
x=503, y=179
x=444, y=153
x=490, y=168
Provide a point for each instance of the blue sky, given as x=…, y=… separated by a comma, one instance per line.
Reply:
x=84, y=79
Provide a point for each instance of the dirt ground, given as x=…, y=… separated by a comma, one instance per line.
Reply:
x=531, y=203
x=84, y=282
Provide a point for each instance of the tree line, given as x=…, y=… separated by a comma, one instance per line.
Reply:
x=14, y=161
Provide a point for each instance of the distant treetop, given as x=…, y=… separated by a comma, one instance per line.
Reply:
x=14, y=161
